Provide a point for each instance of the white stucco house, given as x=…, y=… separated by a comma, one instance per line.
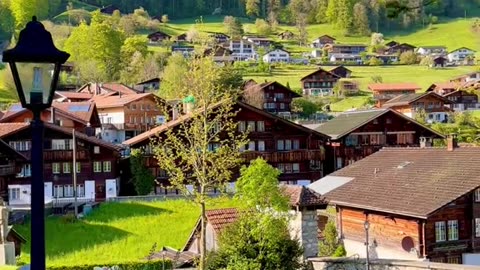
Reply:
x=460, y=54
x=276, y=56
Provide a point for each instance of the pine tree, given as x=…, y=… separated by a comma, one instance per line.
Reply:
x=360, y=21
x=330, y=243
x=344, y=14
x=322, y=6
x=332, y=11
x=252, y=7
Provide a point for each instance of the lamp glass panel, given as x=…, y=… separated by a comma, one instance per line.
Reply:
x=36, y=80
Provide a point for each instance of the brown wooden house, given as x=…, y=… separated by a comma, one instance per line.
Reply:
x=272, y=97
x=319, y=83
x=443, y=88
x=400, y=48
x=341, y=71
x=382, y=92
x=298, y=152
x=322, y=41
x=10, y=161
x=462, y=100
x=433, y=105
x=158, y=36
x=358, y=134
x=420, y=203
x=97, y=170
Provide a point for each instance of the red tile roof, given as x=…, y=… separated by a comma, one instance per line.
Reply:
x=393, y=86
x=303, y=196
x=75, y=95
x=119, y=101
x=80, y=110
x=408, y=181
x=220, y=218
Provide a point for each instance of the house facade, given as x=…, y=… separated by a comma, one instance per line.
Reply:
x=432, y=50
x=346, y=48
x=400, y=48
x=277, y=56
x=272, y=97
x=259, y=41
x=319, y=83
x=322, y=41
x=443, y=88
x=462, y=100
x=467, y=78
x=341, y=71
x=242, y=50
x=382, y=92
x=158, y=37
x=10, y=164
x=298, y=152
x=460, y=54
x=435, y=107
x=358, y=134
x=411, y=215
x=97, y=169
x=124, y=117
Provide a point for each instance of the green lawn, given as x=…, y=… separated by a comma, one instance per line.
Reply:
x=119, y=232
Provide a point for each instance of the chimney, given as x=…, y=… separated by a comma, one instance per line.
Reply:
x=451, y=142
x=425, y=142
x=52, y=115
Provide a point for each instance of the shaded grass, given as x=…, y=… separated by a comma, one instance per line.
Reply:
x=119, y=232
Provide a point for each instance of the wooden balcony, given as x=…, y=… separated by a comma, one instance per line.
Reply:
x=59, y=155
x=458, y=245
x=287, y=156
x=8, y=169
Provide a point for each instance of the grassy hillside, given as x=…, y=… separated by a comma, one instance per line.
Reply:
x=119, y=232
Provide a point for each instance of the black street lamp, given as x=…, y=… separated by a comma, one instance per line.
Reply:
x=35, y=64
x=367, y=259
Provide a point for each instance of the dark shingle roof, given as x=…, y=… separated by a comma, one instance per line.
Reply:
x=408, y=181
x=406, y=99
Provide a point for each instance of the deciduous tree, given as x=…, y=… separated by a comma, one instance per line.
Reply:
x=360, y=19
x=233, y=26
x=203, y=150
x=143, y=179
x=252, y=7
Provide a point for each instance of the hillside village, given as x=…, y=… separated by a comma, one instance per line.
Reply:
x=187, y=148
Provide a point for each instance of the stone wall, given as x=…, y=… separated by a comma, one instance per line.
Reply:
x=352, y=263
x=304, y=227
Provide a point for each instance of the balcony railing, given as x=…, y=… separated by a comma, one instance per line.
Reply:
x=8, y=169
x=287, y=156
x=54, y=155
x=449, y=246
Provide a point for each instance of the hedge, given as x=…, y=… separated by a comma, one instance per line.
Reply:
x=146, y=265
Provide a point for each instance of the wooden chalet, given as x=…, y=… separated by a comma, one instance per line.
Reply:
x=443, y=88
x=158, y=36
x=97, y=170
x=462, y=100
x=10, y=162
x=182, y=37
x=220, y=54
x=439, y=61
x=106, y=89
x=341, y=71
x=391, y=43
x=148, y=85
x=298, y=152
x=219, y=37
x=81, y=116
x=71, y=96
x=466, y=78
x=358, y=134
x=420, y=203
x=346, y=48
x=348, y=87
x=322, y=41
x=400, y=48
x=382, y=92
x=272, y=97
x=319, y=83
x=435, y=106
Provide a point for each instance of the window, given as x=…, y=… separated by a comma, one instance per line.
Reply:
x=211, y=147
x=97, y=166
x=288, y=144
x=133, y=107
x=282, y=106
x=55, y=168
x=67, y=167
x=477, y=195
x=107, y=166
x=281, y=167
x=96, y=149
x=20, y=145
x=80, y=190
x=251, y=146
x=279, y=95
x=440, y=231
x=68, y=191
x=58, y=191
x=148, y=107
x=452, y=230
x=288, y=167
x=477, y=227
x=241, y=126
x=404, y=138
x=14, y=193
x=131, y=119
x=63, y=144
x=261, y=146
x=389, y=121
x=260, y=126
x=251, y=126
x=296, y=144
x=280, y=145
x=351, y=140
x=375, y=121
x=79, y=168
x=296, y=167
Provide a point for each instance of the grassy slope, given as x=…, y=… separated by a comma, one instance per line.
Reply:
x=119, y=232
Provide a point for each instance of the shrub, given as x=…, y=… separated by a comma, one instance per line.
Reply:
x=145, y=265
x=340, y=251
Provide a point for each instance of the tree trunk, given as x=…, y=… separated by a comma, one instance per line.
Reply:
x=203, y=233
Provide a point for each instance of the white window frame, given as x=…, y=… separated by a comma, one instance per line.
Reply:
x=477, y=227
x=280, y=145
x=97, y=166
x=296, y=167
x=107, y=166
x=14, y=194
x=58, y=191
x=56, y=168
x=452, y=230
x=260, y=126
x=477, y=195
x=68, y=191
x=251, y=126
x=251, y=146
x=241, y=126
x=80, y=190
x=79, y=167
x=67, y=167
x=261, y=146
x=96, y=149
x=440, y=231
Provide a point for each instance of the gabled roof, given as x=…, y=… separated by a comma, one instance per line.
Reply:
x=119, y=101
x=262, y=86
x=7, y=129
x=277, y=49
x=461, y=49
x=302, y=196
x=413, y=182
x=158, y=33
x=393, y=86
x=319, y=70
x=407, y=99
x=347, y=122
x=348, y=45
x=433, y=47
x=74, y=95
x=147, y=135
x=391, y=43
x=339, y=67
x=116, y=88
x=327, y=36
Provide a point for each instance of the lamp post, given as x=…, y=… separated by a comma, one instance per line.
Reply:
x=367, y=261
x=35, y=65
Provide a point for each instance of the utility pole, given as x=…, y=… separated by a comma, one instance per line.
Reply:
x=75, y=173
